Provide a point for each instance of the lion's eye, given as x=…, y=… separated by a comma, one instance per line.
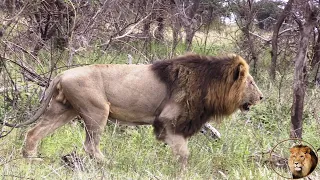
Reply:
x=301, y=156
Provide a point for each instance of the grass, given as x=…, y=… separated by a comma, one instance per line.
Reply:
x=133, y=153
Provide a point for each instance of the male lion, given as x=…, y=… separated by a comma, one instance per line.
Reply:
x=302, y=161
x=176, y=96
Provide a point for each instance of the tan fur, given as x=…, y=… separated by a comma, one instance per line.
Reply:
x=175, y=96
x=301, y=161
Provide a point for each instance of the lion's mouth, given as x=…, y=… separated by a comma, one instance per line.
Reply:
x=297, y=168
x=246, y=107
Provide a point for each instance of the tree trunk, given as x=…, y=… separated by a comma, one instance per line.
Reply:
x=190, y=26
x=249, y=12
x=274, y=50
x=175, y=26
x=190, y=32
x=176, y=37
x=1, y=63
x=160, y=25
x=146, y=28
x=300, y=74
x=147, y=21
x=251, y=45
x=187, y=11
x=315, y=62
x=160, y=28
x=316, y=51
x=317, y=77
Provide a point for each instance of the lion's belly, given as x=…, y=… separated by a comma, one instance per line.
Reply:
x=125, y=116
x=138, y=107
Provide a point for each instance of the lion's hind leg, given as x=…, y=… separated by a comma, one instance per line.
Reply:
x=57, y=114
x=95, y=122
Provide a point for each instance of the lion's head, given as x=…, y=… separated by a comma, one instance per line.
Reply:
x=302, y=161
x=236, y=88
x=251, y=94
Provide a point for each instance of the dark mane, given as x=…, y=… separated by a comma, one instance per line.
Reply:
x=199, y=64
x=193, y=76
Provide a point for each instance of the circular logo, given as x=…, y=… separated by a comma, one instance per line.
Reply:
x=293, y=158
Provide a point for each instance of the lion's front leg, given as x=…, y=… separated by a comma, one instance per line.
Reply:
x=179, y=146
x=163, y=131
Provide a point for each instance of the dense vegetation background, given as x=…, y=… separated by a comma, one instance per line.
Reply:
x=280, y=40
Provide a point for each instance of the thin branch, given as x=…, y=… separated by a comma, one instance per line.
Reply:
x=17, y=14
x=298, y=21
x=91, y=23
x=4, y=133
x=24, y=50
x=268, y=40
x=132, y=28
x=124, y=35
x=41, y=81
x=260, y=37
x=286, y=30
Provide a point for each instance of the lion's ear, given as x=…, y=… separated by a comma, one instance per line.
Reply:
x=291, y=150
x=307, y=150
x=240, y=72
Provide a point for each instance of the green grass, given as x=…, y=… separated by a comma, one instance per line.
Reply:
x=133, y=153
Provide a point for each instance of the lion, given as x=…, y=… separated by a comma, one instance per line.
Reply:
x=175, y=96
x=302, y=161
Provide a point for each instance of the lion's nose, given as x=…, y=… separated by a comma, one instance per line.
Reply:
x=296, y=163
x=261, y=97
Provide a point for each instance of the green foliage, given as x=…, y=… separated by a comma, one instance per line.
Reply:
x=267, y=9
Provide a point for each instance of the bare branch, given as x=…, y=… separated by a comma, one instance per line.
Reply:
x=260, y=37
x=132, y=28
x=32, y=76
x=92, y=21
x=298, y=21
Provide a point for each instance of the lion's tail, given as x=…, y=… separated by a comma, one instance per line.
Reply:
x=48, y=95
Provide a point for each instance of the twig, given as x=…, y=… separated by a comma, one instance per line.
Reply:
x=17, y=14
x=19, y=177
x=256, y=35
x=132, y=28
x=41, y=81
x=147, y=59
x=11, y=160
x=24, y=50
x=286, y=30
x=298, y=21
x=268, y=40
x=4, y=133
x=91, y=23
